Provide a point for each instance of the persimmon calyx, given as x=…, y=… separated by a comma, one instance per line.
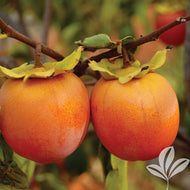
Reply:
x=48, y=70
x=114, y=70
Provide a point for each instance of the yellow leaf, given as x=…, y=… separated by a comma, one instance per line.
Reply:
x=48, y=70
x=9, y=73
x=114, y=70
x=136, y=63
x=126, y=74
x=158, y=59
x=103, y=66
x=41, y=72
x=69, y=62
x=3, y=36
x=145, y=68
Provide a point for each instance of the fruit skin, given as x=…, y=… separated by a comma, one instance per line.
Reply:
x=135, y=120
x=176, y=35
x=44, y=120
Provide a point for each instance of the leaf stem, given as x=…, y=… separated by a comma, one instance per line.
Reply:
x=126, y=59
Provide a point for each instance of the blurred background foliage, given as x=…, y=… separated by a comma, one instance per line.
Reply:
x=73, y=20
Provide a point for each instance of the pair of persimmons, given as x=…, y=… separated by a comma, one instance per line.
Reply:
x=46, y=120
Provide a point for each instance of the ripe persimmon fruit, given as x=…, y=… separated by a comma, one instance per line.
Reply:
x=176, y=35
x=135, y=120
x=44, y=120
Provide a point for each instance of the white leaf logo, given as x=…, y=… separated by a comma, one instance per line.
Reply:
x=166, y=169
x=166, y=157
x=157, y=171
x=178, y=166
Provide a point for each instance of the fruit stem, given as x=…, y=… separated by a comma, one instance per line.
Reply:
x=38, y=50
x=127, y=57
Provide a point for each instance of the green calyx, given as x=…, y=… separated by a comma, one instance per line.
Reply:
x=114, y=70
x=48, y=70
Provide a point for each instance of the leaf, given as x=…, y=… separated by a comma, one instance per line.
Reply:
x=156, y=62
x=166, y=158
x=3, y=36
x=158, y=59
x=156, y=170
x=114, y=70
x=178, y=166
x=129, y=39
x=13, y=176
x=27, y=166
x=96, y=42
x=7, y=152
x=106, y=67
x=70, y=61
x=126, y=74
x=48, y=70
x=117, y=178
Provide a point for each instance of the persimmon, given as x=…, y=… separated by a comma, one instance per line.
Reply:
x=135, y=120
x=176, y=35
x=44, y=120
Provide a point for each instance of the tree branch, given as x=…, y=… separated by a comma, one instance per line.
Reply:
x=16, y=35
x=111, y=53
x=142, y=40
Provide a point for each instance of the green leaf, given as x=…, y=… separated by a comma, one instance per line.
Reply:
x=48, y=70
x=13, y=176
x=6, y=152
x=27, y=166
x=96, y=42
x=127, y=40
x=117, y=178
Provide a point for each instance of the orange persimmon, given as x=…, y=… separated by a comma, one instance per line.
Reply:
x=44, y=120
x=135, y=120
